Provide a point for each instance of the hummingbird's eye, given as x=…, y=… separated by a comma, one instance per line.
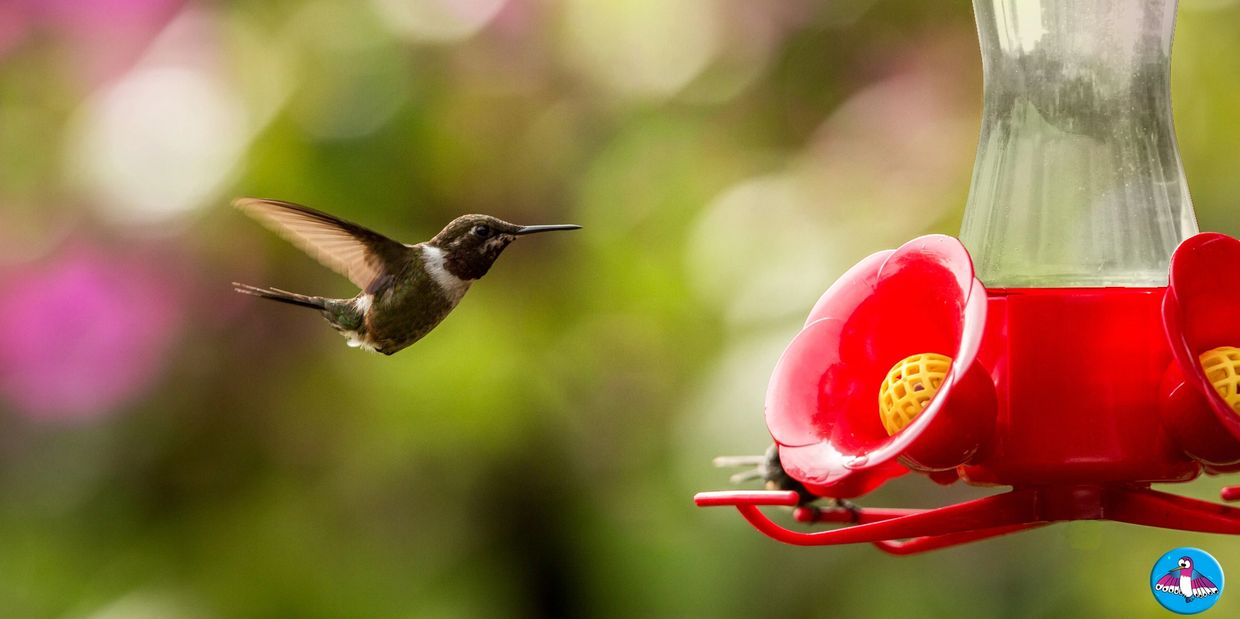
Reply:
x=482, y=232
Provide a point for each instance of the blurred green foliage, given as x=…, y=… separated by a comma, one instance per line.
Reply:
x=536, y=455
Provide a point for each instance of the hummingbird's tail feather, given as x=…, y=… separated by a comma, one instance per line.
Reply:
x=283, y=296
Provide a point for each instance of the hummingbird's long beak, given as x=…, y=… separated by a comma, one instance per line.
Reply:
x=533, y=229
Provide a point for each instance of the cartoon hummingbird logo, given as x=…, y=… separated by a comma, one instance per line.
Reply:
x=406, y=290
x=1186, y=581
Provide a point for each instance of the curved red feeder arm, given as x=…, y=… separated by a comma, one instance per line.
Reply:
x=963, y=522
x=925, y=543
x=904, y=531
x=1168, y=511
x=935, y=542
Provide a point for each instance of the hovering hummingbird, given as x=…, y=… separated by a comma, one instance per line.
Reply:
x=406, y=290
x=1184, y=580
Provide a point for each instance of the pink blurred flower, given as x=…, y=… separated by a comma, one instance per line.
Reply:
x=13, y=26
x=105, y=15
x=83, y=334
x=105, y=36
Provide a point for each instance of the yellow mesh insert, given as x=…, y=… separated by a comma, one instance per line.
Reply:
x=1222, y=366
x=909, y=387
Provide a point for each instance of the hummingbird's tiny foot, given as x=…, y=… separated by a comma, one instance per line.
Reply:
x=853, y=509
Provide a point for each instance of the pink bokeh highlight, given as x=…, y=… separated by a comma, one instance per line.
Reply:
x=105, y=37
x=84, y=333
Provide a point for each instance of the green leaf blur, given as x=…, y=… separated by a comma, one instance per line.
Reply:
x=535, y=455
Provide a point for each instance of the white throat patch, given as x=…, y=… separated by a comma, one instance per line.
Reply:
x=452, y=285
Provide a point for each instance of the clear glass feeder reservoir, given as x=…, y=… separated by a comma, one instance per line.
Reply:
x=1078, y=181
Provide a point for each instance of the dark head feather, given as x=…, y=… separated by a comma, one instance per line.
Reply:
x=472, y=243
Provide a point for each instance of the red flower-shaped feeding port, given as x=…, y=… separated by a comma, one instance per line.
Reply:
x=1076, y=398
x=822, y=406
x=1201, y=313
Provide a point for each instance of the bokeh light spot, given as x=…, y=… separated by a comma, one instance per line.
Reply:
x=645, y=48
x=158, y=143
x=438, y=21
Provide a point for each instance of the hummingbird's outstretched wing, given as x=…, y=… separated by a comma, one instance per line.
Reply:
x=1170, y=583
x=360, y=254
x=1202, y=586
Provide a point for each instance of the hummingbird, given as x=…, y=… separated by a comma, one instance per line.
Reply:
x=1186, y=581
x=406, y=290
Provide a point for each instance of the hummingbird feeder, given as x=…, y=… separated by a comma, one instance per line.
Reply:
x=1084, y=346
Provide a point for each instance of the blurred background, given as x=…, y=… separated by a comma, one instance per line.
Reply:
x=169, y=449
